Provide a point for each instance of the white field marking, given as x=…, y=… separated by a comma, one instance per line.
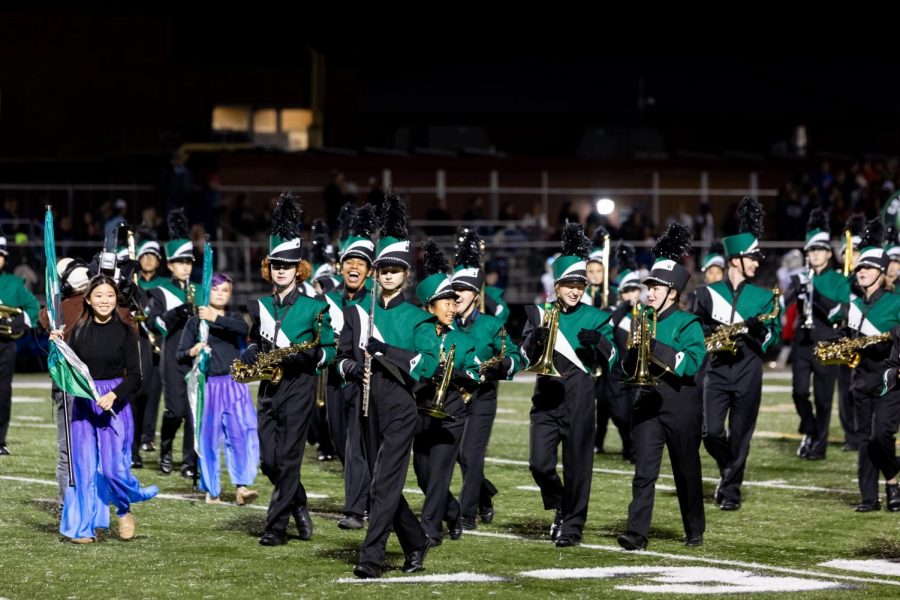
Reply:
x=506, y=411
x=464, y=577
x=689, y=580
x=189, y=497
x=32, y=385
x=688, y=558
x=778, y=408
x=29, y=400
x=776, y=484
x=34, y=425
x=416, y=491
x=512, y=422
x=534, y=488
x=874, y=566
x=776, y=389
x=27, y=418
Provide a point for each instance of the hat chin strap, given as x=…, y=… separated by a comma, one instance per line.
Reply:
x=865, y=288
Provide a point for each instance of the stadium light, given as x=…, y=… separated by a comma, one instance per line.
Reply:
x=605, y=206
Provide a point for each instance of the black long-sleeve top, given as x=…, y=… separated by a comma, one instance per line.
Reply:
x=110, y=350
x=225, y=335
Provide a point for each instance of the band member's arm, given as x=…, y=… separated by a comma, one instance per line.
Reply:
x=687, y=358
x=601, y=341
x=190, y=335
x=348, y=367
x=703, y=309
x=533, y=336
x=254, y=340
x=420, y=364
x=465, y=368
x=892, y=371
x=795, y=289
x=512, y=361
x=232, y=322
x=131, y=380
x=327, y=350
x=164, y=320
x=29, y=305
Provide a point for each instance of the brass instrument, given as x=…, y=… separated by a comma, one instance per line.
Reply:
x=604, y=299
x=848, y=253
x=481, y=304
x=189, y=292
x=6, y=315
x=268, y=364
x=641, y=334
x=367, y=367
x=436, y=408
x=321, y=388
x=544, y=366
x=724, y=339
x=494, y=360
x=845, y=351
x=808, y=305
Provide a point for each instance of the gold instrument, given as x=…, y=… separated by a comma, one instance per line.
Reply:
x=367, y=367
x=724, y=339
x=321, y=388
x=604, y=299
x=189, y=292
x=808, y=305
x=6, y=315
x=544, y=366
x=481, y=293
x=642, y=331
x=436, y=408
x=845, y=351
x=848, y=252
x=268, y=364
x=494, y=360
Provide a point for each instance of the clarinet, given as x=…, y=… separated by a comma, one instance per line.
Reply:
x=367, y=386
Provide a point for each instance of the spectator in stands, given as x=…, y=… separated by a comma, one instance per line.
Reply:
x=176, y=183
x=439, y=212
x=117, y=217
x=375, y=197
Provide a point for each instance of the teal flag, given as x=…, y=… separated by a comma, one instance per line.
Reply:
x=196, y=377
x=67, y=371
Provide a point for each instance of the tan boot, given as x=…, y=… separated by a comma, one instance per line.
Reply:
x=89, y=540
x=212, y=500
x=245, y=496
x=126, y=526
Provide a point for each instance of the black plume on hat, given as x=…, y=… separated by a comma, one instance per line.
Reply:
x=435, y=261
x=750, y=216
x=574, y=242
x=178, y=225
x=873, y=235
x=625, y=257
x=320, y=241
x=287, y=217
x=365, y=222
x=393, y=217
x=345, y=220
x=468, y=248
x=599, y=234
x=818, y=219
x=674, y=243
x=855, y=224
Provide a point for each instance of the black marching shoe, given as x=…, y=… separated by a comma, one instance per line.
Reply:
x=415, y=560
x=717, y=495
x=273, y=538
x=434, y=542
x=137, y=462
x=568, y=541
x=632, y=541
x=694, y=540
x=367, y=571
x=805, y=444
x=486, y=514
x=892, y=491
x=351, y=522
x=849, y=447
x=4, y=451
x=165, y=463
x=148, y=447
x=304, y=523
x=868, y=506
x=188, y=472
x=467, y=523
x=729, y=505
x=454, y=526
x=556, y=528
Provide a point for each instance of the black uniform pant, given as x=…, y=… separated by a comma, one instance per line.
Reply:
x=815, y=417
x=672, y=421
x=614, y=401
x=336, y=416
x=845, y=405
x=435, y=449
x=480, y=414
x=877, y=419
x=561, y=414
x=357, y=473
x=319, y=433
x=178, y=409
x=283, y=420
x=732, y=391
x=391, y=425
x=140, y=399
x=7, y=367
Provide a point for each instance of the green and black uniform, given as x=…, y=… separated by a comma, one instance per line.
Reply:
x=13, y=294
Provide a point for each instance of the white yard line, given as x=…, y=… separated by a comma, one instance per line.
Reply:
x=29, y=400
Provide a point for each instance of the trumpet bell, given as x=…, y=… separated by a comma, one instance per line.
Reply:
x=436, y=412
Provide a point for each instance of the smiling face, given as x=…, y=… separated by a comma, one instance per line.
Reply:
x=283, y=273
x=391, y=277
x=444, y=309
x=658, y=296
x=181, y=269
x=465, y=300
x=713, y=273
x=570, y=293
x=748, y=264
x=354, y=271
x=220, y=295
x=102, y=300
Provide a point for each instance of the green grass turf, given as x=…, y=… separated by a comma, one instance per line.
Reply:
x=186, y=549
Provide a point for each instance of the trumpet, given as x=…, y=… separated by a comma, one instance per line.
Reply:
x=436, y=407
x=723, y=338
x=268, y=365
x=642, y=331
x=6, y=315
x=846, y=351
x=544, y=366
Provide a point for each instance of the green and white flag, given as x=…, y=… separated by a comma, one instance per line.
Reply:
x=196, y=377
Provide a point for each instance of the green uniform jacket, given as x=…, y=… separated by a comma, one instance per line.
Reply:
x=486, y=331
x=299, y=324
x=13, y=293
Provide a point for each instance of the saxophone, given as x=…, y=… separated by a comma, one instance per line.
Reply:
x=495, y=360
x=268, y=364
x=845, y=351
x=723, y=338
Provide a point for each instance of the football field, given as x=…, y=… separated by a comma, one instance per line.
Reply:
x=796, y=535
